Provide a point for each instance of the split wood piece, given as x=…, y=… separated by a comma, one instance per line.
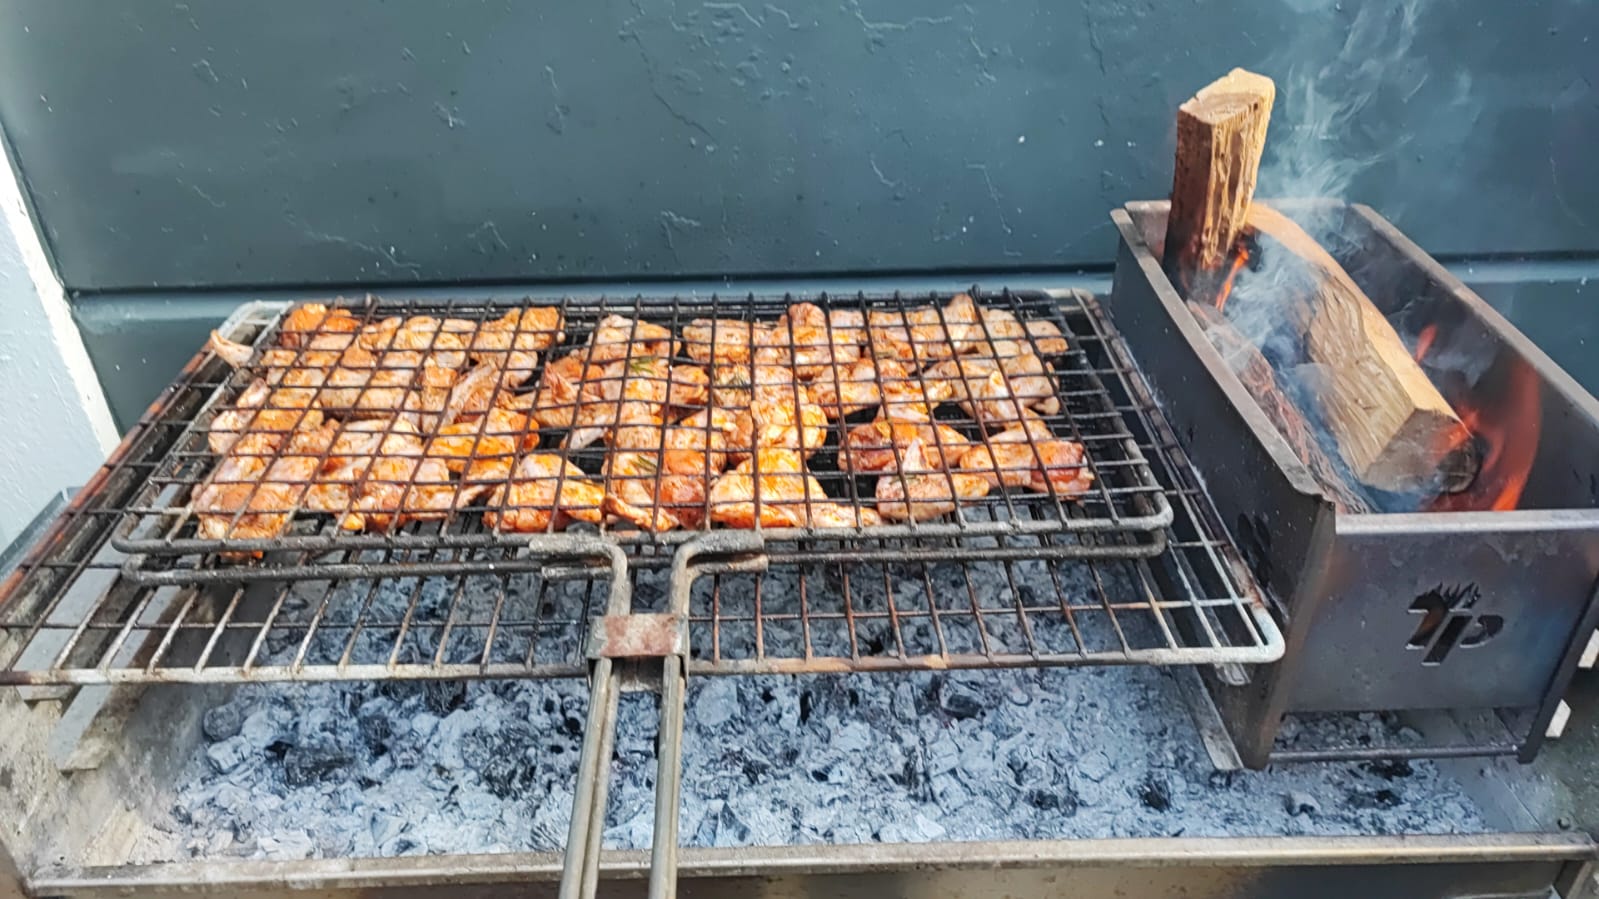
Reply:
x=1392, y=427
x=1221, y=132
x=1246, y=361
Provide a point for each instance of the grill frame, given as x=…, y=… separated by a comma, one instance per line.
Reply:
x=32, y=594
x=1123, y=532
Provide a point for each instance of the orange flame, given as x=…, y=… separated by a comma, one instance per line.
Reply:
x=1506, y=421
x=1240, y=256
x=1424, y=341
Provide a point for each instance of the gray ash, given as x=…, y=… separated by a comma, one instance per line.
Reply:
x=409, y=768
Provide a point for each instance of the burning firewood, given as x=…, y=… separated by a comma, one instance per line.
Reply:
x=1221, y=132
x=1390, y=425
x=1393, y=428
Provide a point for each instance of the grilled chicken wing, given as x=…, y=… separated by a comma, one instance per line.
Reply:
x=310, y=321
x=261, y=410
x=1029, y=456
x=544, y=490
x=803, y=340
x=772, y=489
x=878, y=446
x=256, y=489
x=378, y=476
x=723, y=340
x=993, y=397
x=927, y=334
x=483, y=450
x=919, y=491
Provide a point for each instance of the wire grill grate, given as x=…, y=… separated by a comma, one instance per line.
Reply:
x=71, y=614
x=1125, y=502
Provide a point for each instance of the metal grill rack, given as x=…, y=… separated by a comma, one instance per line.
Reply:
x=1125, y=510
x=71, y=614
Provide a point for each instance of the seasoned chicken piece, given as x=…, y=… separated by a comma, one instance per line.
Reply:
x=735, y=386
x=254, y=495
x=920, y=492
x=1029, y=456
x=789, y=496
x=655, y=476
x=398, y=484
x=259, y=409
x=723, y=340
x=544, y=490
x=782, y=425
x=565, y=387
x=1006, y=336
x=313, y=320
x=908, y=397
x=770, y=489
x=366, y=386
x=803, y=340
x=616, y=338
x=482, y=387
x=844, y=390
x=483, y=450
x=926, y=334
x=354, y=448
x=707, y=431
x=443, y=348
x=991, y=396
x=227, y=490
x=527, y=331
x=847, y=326
x=877, y=446
x=688, y=386
x=657, y=490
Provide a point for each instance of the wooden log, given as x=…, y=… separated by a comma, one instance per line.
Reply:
x=1246, y=361
x=1221, y=132
x=1392, y=427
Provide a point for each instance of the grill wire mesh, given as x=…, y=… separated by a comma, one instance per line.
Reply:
x=1124, y=501
x=71, y=614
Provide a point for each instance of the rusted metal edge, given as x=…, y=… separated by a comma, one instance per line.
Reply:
x=349, y=875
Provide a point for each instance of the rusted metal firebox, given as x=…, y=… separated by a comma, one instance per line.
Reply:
x=1484, y=611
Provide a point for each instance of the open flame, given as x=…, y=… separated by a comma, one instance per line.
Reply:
x=1424, y=341
x=1505, y=412
x=1240, y=258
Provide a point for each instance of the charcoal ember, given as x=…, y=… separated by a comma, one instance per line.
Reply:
x=511, y=771
x=376, y=720
x=855, y=736
x=918, y=828
x=308, y=764
x=292, y=845
x=477, y=804
x=1155, y=793
x=1389, y=769
x=383, y=827
x=1298, y=803
x=264, y=727
x=551, y=816
x=755, y=817
x=228, y=754
x=403, y=844
x=960, y=702
x=441, y=697
x=905, y=704
x=715, y=703
x=1374, y=799
x=1060, y=801
x=1094, y=765
x=223, y=721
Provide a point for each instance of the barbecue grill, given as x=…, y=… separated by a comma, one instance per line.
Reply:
x=119, y=593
